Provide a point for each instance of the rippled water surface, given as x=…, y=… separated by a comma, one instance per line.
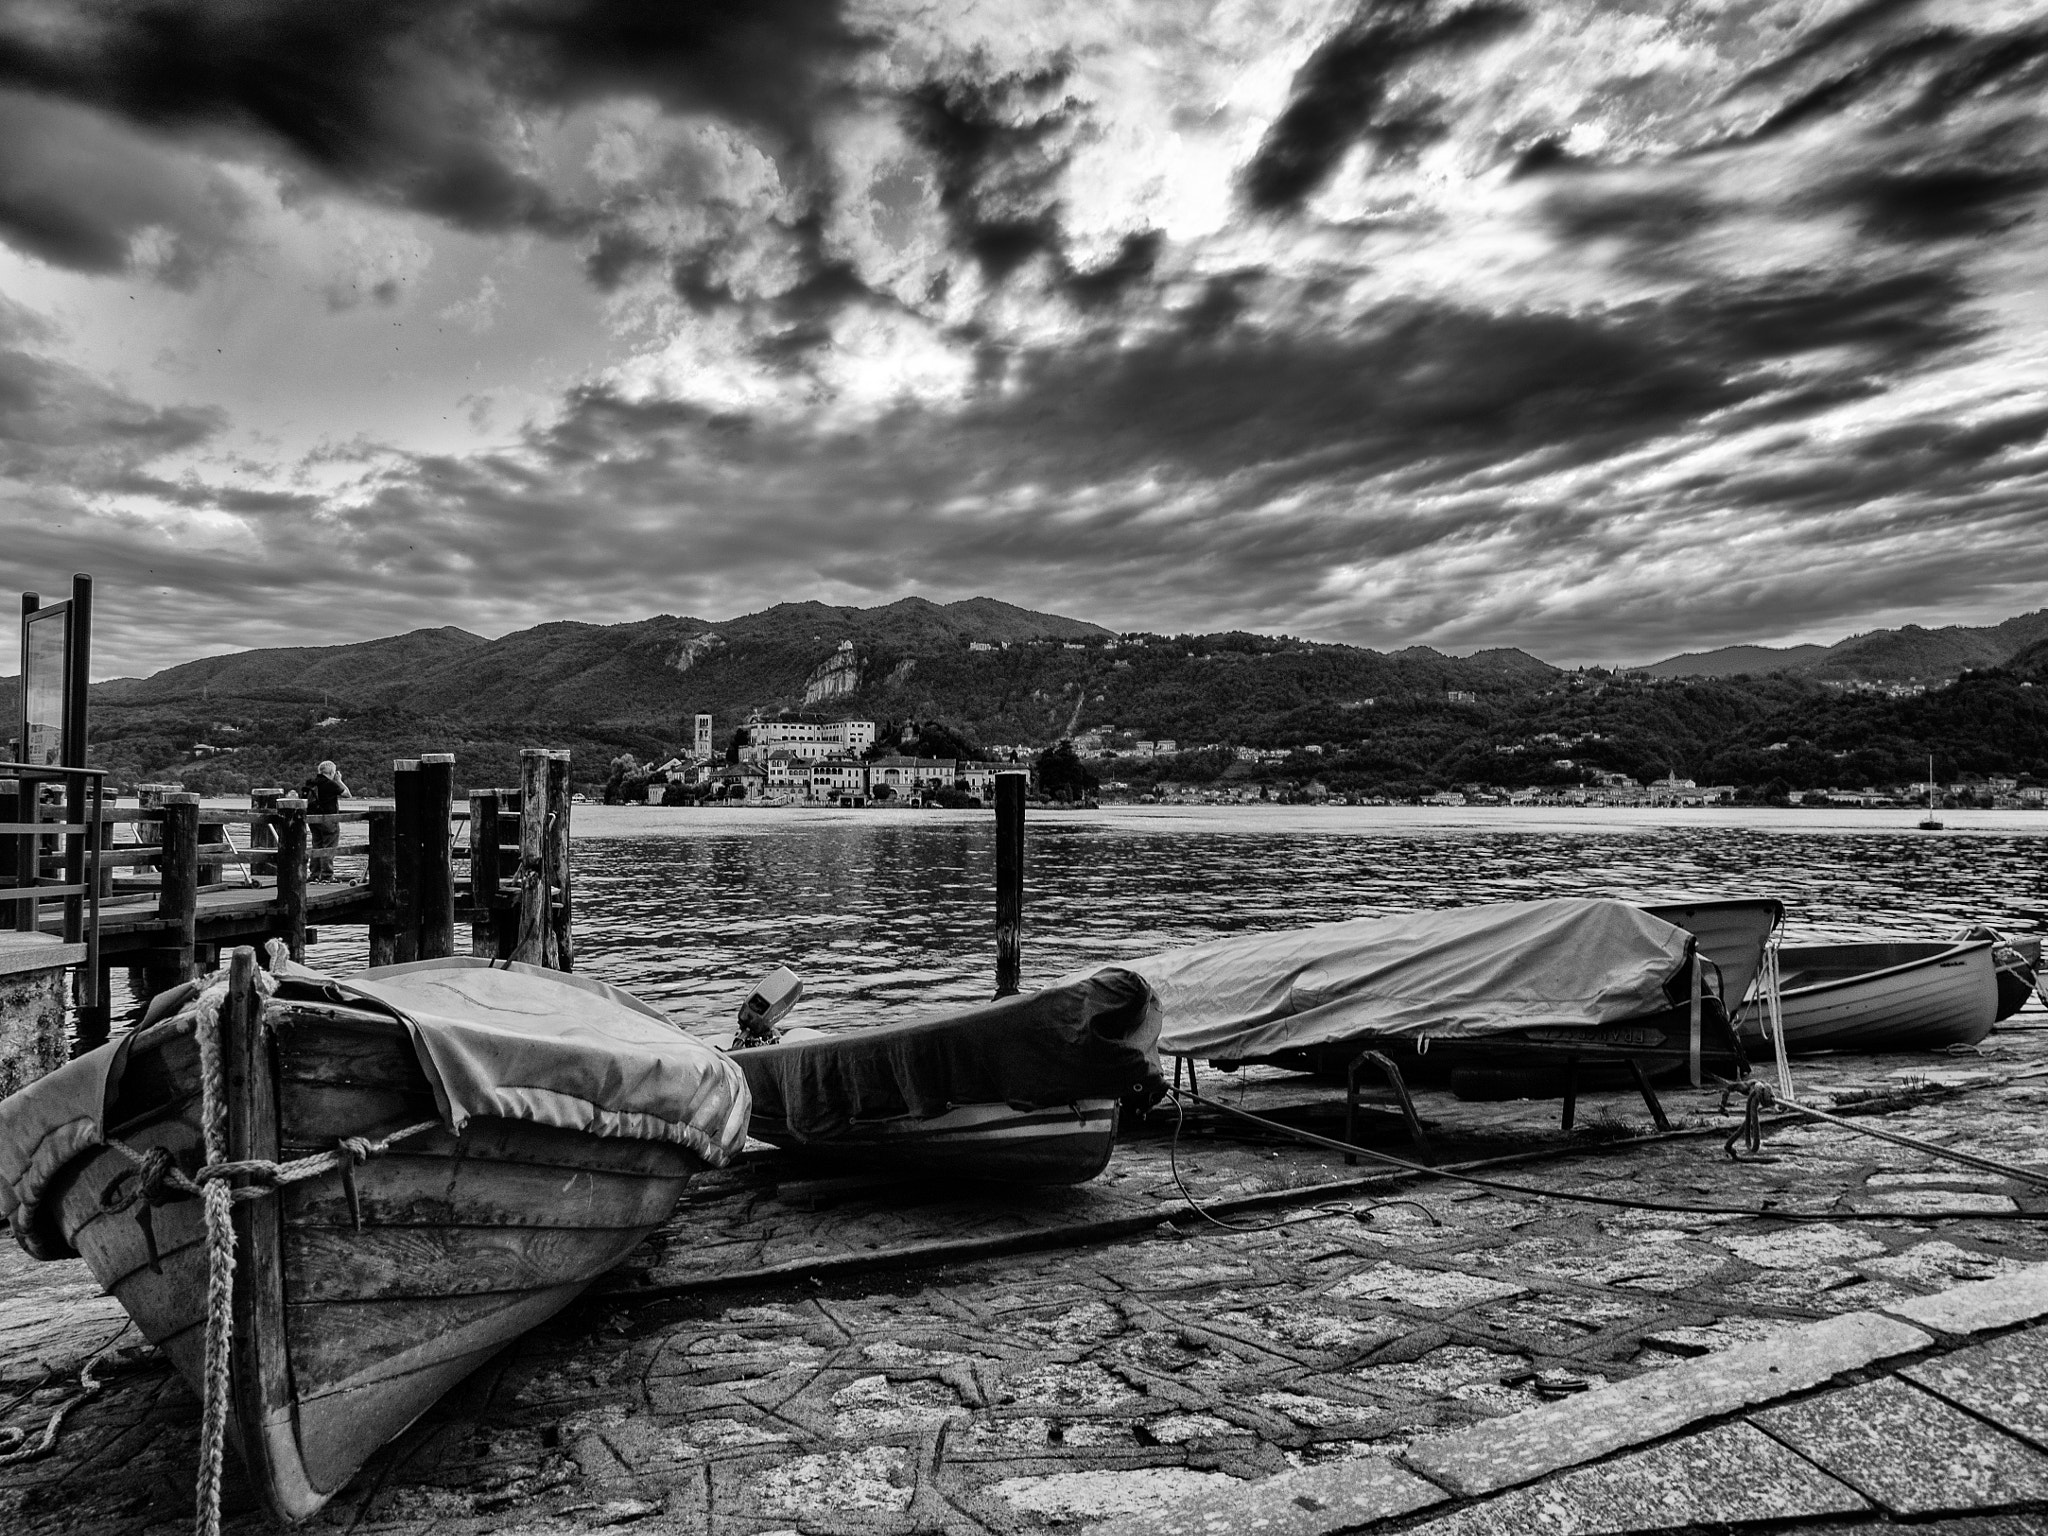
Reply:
x=883, y=910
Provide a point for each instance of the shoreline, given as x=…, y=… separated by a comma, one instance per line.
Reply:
x=597, y=822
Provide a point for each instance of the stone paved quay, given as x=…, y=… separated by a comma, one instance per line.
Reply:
x=817, y=1355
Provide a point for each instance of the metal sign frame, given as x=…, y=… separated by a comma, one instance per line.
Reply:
x=72, y=663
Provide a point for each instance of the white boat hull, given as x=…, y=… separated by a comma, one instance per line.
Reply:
x=1885, y=997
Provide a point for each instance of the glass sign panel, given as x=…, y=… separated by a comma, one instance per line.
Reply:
x=45, y=636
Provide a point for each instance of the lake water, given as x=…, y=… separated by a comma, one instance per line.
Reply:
x=885, y=910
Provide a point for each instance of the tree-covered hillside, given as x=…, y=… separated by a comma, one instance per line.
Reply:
x=996, y=675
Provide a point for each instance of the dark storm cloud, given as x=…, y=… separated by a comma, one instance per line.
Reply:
x=1248, y=458
x=1342, y=95
x=75, y=192
x=1000, y=146
x=399, y=101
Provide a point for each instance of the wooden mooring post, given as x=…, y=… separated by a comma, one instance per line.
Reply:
x=177, y=900
x=291, y=873
x=436, y=856
x=406, y=806
x=1009, y=883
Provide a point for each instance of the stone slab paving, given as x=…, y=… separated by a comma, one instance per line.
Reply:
x=2005, y=1381
x=1734, y=1474
x=1511, y=1451
x=1909, y=1451
x=1183, y=1366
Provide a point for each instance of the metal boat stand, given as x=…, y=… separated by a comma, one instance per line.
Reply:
x=1392, y=1076
x=1571, y=1092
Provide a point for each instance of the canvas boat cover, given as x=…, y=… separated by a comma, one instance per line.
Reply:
x=1088, y=1037
x=520, y=1043
x=1459, y=973
x=524, y=1043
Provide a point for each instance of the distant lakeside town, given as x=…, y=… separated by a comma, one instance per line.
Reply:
x=795, y=759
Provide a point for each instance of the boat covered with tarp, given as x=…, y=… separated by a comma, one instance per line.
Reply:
x=416, y=1164
x=1497, y=986
x=1025, y=1089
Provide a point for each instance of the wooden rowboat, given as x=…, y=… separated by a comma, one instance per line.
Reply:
x=1052, y=1144
x=1896, y=996
x=359, y=1297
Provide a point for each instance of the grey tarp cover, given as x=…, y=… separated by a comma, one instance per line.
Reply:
x=43, y=1127
x=519, y=1043
x=1092, y=1037
x=524, y=1043
x=1456, y=973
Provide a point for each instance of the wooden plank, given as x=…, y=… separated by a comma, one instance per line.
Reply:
x=260, y=1360
x=346, y=1050
x=428, y=1263
x=338, y=1346
x=316, y=1116
x=409, y=1189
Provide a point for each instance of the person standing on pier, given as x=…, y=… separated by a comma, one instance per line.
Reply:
x=323, y=794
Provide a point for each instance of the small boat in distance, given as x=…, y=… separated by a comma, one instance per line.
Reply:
x=1931, y=822
x=1898, y=995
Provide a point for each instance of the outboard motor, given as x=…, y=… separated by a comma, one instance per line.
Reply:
x=772, y=998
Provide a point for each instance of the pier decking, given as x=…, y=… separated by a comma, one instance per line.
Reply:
x=179, y=882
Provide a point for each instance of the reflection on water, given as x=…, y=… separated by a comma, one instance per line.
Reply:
x=880, y=911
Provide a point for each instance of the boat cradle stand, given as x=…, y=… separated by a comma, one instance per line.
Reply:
x=1353, y=1100
x=1650, y=1099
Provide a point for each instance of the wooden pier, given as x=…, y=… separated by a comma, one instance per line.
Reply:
x=188, y=882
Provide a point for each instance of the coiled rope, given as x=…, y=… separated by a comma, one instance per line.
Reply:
x=15, y=1444
x=158, y=1179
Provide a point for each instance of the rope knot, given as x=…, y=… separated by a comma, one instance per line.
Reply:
x=1757, y=1097
x=154, y=1180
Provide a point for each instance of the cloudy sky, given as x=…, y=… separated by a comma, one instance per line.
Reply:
x=1604, y=329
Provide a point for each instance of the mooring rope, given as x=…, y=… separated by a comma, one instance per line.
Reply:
x=15, y=1444
x=220, y=1264
x=157, y=1172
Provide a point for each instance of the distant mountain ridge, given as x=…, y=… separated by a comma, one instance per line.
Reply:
x=1907, y=654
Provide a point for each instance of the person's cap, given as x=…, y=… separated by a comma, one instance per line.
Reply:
x=327, y=770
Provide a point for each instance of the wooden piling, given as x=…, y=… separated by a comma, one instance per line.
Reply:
x=437, y=856
x=535, y=878
x=483, y=873
x=177, y=897
x=291, y=873
x=405, y=905
x=1009, y=883
x=383, y=886
x=564, y=949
